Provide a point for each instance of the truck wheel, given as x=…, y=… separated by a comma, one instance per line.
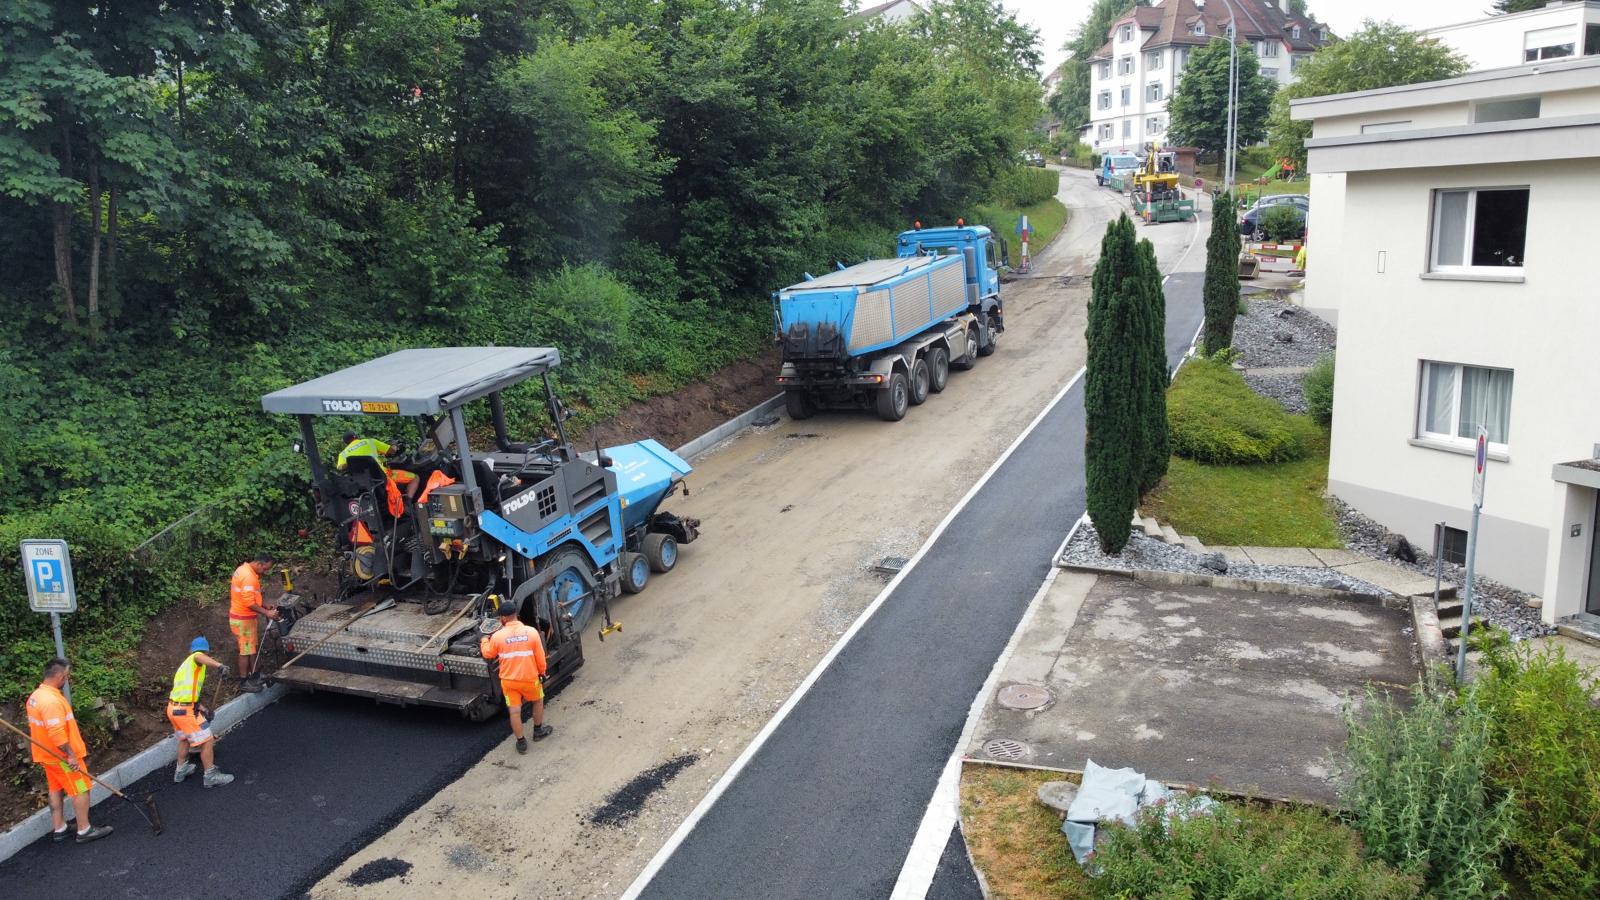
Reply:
x=969, y=358
x=988, y=347
x=635, y=572
x=919, y=382
x=938, y=369
x=798, y=404
x=661, y=550
x=572, y=593
x=894, y=398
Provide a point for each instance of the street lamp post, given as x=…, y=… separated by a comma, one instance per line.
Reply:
x=1233, y=100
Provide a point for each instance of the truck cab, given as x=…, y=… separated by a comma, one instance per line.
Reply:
x=983, y=253
x=1117, y=170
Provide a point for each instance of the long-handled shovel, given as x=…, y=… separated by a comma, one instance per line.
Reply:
x=145, y=808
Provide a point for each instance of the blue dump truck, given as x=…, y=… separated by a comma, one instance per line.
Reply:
x=885, y=333
x=556, y=531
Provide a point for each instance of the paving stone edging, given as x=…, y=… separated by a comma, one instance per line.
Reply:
x=228, y=716
x=1158, y=578
x=1430, y=637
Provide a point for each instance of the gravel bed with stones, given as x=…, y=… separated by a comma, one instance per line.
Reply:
x=1144, y=552
x=1259, y=336
x=1492, y=601
x=1288, y=390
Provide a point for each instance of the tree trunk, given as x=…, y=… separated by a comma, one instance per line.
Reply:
x=61, y=220
x=94, y=247
x=111, y=243
x=183, y=103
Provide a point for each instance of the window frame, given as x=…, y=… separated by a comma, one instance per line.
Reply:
x=1153, y=60
x=1269, y=49
x=1199, y=29
x=1105, y=68
x=1152, y=92
x=1294, y=32
x=1152, y=125
x=1497, y=449
x=1435, y=204
x=1127, y=95
x=1125, y=65
x=1127, y=128
x=1268, y=72
x=1103, y=99
x=1125, y=33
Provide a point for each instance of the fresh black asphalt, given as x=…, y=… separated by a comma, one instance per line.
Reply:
x=829, y=806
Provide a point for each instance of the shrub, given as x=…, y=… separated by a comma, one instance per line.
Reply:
x=1241, y=852
x=586, y=312
x=1214, y=417
x=1026, y=185
x=1416, y=784
x=1545, y=754
x=1318, y=388
x=1280, y=224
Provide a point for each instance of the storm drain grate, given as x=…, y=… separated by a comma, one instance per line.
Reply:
x=890, y=565
x=1005, y=748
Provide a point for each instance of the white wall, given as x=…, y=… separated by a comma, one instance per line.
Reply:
x=1545, y=330
x=1325, y=246
x=1499, y=41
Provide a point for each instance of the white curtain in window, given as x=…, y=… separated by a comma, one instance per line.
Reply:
x=1451, y=228
x=1439, y=415
x=1485, y=401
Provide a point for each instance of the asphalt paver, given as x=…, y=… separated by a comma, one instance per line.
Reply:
x=829, y=806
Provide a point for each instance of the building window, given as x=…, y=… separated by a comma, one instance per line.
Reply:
x=1294, y=32
x=1105, y=69
x=1296, y=61
x=1185, y=56
x=1103, y=101
x=1125, y=65
x=1106, y=131
x=1269, y=49
x=1322, y=33
x=1152, y=125
x=1199, y=28
x=1457, y=399
x=1548, y=43
x=1255, y=47
x=1125, y=34
x=1482, y=231
x=1452, y=544
x=1127, y=95
x=1505, y=110
x=1127, y=128
x=1270, y=73
x=1152, y=91
x=1152, y=60
x=1591, y=40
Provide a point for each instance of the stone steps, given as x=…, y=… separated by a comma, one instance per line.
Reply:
x=1166, y=534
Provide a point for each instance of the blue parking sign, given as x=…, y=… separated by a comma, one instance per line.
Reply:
x=47, y=568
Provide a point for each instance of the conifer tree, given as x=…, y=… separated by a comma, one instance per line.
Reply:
x=1117, y=369
x=1156, y=378
x=1221, y=291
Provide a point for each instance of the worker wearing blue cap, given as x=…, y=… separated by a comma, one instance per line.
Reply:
x=189, y=719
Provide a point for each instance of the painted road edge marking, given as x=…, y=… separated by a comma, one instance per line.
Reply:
x=710, y=799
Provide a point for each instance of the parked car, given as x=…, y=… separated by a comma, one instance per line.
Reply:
x=1033, y=158
x=1250, y=222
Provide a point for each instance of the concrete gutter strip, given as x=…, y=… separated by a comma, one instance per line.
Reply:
x=1158, y=578
x=148, y=760
x=729, y=428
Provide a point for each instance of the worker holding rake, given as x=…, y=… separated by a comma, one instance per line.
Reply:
x=190, y=720
x=59, y=748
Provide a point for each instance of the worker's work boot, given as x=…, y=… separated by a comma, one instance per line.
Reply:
x=249, y=685
x=216, y=777
x=94, y=834
x=182, y=772
x=540, y=732
x=522, y=745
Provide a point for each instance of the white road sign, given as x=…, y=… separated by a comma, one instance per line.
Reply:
x=47, y=567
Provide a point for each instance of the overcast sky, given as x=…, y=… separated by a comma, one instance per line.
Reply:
x=1055, y=19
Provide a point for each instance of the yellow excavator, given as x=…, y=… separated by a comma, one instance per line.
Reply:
x=1156, y=195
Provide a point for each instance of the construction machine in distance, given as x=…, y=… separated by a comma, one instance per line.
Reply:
x=1154, y=190
x=557, y=531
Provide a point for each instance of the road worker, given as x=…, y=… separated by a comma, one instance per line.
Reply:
x=396, y=481
x=521, y=655
x=63, y=756
x=191, y=721
x=245, y=606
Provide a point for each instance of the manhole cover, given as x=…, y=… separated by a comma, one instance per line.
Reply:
x=1024, y=696
x=1005, y=748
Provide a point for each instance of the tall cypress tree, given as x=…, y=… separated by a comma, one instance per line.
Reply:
x=1221, y=292
x=1157, y=447
x=1117, y=369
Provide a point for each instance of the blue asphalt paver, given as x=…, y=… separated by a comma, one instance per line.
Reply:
x=830, y=804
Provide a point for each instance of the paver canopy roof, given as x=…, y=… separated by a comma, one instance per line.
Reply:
x=414, y=382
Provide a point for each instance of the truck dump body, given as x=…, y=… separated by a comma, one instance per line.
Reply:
x=871, y=305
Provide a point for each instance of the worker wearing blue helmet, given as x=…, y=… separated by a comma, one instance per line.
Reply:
x=190, y=720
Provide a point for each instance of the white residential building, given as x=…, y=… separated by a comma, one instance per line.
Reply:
x=1459, y=269
x=1557, y=30
x=1133, y=76
x=892, y=11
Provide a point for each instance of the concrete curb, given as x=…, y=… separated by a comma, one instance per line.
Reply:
x=1158, y=578
x=1076, y=776
x=228, y=716
x=729, y=428
x=1430, y=637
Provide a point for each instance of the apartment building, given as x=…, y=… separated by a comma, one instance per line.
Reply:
x=1557, y=30
x=1133, y=76
x=1459, y=270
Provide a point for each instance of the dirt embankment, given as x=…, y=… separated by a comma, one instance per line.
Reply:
x=679, y=417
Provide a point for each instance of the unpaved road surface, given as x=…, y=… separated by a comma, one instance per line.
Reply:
x=795, y=516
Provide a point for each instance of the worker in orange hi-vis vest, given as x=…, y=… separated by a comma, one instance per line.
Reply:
x=521, y=654
x=63, y=754
x=245, y=604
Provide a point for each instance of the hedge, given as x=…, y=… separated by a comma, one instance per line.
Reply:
x=1215, y=418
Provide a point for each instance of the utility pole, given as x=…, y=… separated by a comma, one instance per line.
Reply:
x=1233, y=100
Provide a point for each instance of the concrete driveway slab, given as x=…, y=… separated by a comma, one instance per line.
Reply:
x=1282, y=556
x=1338, y=556
x=1394, y=579
x=1237, y=689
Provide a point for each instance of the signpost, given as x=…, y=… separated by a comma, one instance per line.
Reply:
x=47, y=568
x=1025, y=230
x=1480, y=459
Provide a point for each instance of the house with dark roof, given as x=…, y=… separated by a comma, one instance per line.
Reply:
x=1133, y=75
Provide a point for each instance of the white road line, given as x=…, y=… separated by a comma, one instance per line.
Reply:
x=944, y=809
x=711, y=797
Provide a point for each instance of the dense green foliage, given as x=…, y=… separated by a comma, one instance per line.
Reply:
x=1545, y=755
x=1070, y=102
x=1515, y=6
x=1241, y=852
x=1381, y=54
x=203, y=202
x=1027, y=185
x=1156, y=375
x=1216, y=418
x=1199, y=105
x=1220, y=293
x=1317, y=385
x=1117, y=371
x=1281, y=224
x=1416, y=786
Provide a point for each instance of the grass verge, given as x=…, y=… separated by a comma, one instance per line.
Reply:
x=1016, y=843
x=1266, y=505
x=1045, y=218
